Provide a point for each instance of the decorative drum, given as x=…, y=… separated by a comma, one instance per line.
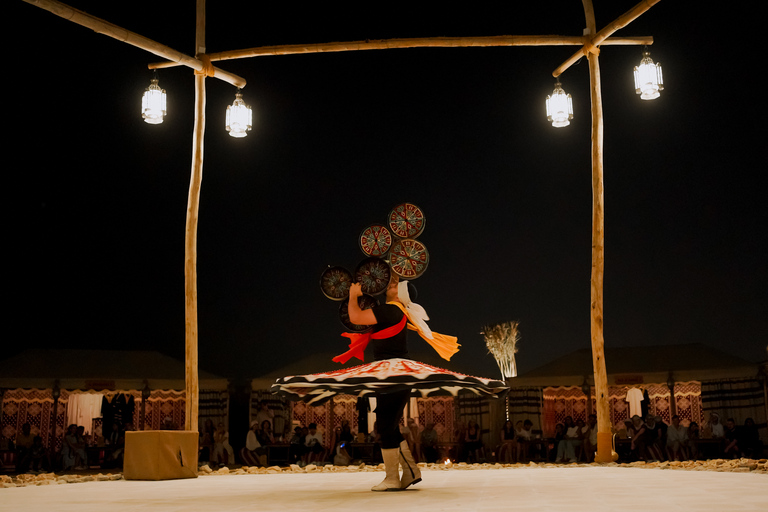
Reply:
x=335, y=282
x=375, y=240
x=408, y=258
x=373, y=275
x=406, y=221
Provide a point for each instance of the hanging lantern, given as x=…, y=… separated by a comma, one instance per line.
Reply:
x=648, y=79
x=239, y=117
x=153, y=103
x=559, y=107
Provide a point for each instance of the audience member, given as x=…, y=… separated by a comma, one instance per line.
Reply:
x=222, y=450
x=473, y=443
x=39, y=460
x=639, y=439
x=508, y=448
x=562, y=446
x=750, y=443
x=731, y=447
x=523, y=437
x=296, y=447
x=571, y=441
x=654, y=436
x=428, y=441
x=24, y=442
x=206, y=441
x=265, y=435
x=693, y=440
x=253, y=453
x=167, y=424
x=677, y=440
x=341, y=456
x=313, y=442
x=374, y=436
x=346, y=432
x=265, y=414
x=73, y=450
x=715, y=427
x=590, y=439
x=115, y=444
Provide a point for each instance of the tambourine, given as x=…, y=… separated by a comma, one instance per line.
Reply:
x=373, y=275
x=408, y=258
x=375, y=240
x=335, y=282
x=365, y=302
x=406, y=221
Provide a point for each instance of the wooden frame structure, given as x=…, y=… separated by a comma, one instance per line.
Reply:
x=202, y=64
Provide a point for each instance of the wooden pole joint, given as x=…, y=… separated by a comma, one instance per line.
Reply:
x=207, y=69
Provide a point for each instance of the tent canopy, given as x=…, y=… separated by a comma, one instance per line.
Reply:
x=692, y=361
x=106, y=369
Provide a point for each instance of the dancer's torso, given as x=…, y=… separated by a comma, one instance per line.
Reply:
x=388, y=315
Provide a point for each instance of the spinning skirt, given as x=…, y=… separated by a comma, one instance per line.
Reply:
x=386, y=376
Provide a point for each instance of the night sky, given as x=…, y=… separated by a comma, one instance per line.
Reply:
x=96, y=198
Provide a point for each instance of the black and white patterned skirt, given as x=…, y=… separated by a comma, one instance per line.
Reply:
x=386, y=376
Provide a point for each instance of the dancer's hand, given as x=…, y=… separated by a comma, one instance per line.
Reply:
x=355, y=291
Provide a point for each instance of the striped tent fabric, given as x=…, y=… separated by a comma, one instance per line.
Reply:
x=384, y=376
x=735, y=398
x=526, y=404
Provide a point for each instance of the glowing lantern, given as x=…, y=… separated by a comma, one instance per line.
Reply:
x=559, y=107
x=239, y=117
x=648, y=79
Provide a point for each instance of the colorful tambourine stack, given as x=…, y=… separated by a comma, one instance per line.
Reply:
x=388, y=248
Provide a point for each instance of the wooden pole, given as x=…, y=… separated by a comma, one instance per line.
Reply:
x=190, y=242
x=591, y=42
x=427, y=42
x=604, y=445
x=109, y=29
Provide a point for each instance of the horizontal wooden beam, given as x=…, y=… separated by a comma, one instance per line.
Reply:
x=108, y=29
x=592, y=43
x=428, y=42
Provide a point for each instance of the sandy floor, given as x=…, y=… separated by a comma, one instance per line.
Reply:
x=588, y=488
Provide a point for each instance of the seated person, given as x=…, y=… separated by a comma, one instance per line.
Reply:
x=677, y=440
x=73, y=450
x=265, y=433
x=38, y=456
x=731, y=435
x=253, y=453
x=508, y=448
x=654, y=438
x=428, y=441
x=749, y=441
x=523, y=437
x=115, y=441
x=297, y=449
x=473, y=443
x=24, y=442
x=590, y=438
x=639, y=439
x=313, y=442
x=222, y=450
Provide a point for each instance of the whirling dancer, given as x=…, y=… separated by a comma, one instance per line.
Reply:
x=391, y=378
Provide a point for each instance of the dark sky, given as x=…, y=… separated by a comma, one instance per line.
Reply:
x=96, y=198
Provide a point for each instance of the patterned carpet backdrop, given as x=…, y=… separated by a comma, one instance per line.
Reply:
x=560, y=402
x=35, y=406
x=440, y=411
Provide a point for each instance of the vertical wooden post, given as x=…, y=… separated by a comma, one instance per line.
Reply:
x=190, y=242
x=604, y=445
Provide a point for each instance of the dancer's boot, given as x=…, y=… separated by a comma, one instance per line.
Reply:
x=392, y=481
x=411, y=471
